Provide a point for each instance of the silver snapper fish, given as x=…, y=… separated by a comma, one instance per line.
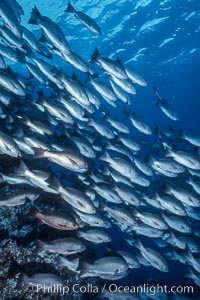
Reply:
x=84, y=19
x=94, y=219
x=49, y=71
x=127, y=194
x=19, y=198
x=129, y=142
x=75, y=89
x=151, y=219
x=143, y=166
x=76, y=198
x=170, y=204
x=36, y=73
x=103, y=89
x=95, y=236
x=106, y=266
x=186, y=159
x=9, y=17
x=107, y=193
x=145, y=230
x=9, y=81
x=51, y=29
x=163, y=105
x=124, y=167
x=37, y=126
x=117, y=124
x=140, y=124
x=124, y=84
x=192, y=138
x=8, y=145
x=65, y=246
x=57, y=111
x=177, y=223
x=102, y=128
x=153, y=257
x=37, y=178
x=45, y=279
x=195, y=277
x=67, y=159
x=168, y=111
x=34, y=44
x=75, y=109
x=122, y=216
x=120, y=93
x=11, y=38
x=193, y=261
x=130, y=259
x=169, y=165
x=17, y=8
x=194, y=184
x=187, y=197
x=114, y=68
x=134, y=77
x=72, y=265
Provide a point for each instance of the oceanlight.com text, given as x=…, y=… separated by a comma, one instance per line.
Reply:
x=113, y=288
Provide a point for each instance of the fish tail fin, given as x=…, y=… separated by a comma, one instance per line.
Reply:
x=166, y=189
x=154, y=88
x=70, y=8
x=85, y=269
x=19, y=133
x=56, y=184
x=127, y=112
x=40, y=246
x=188, y=180
x=22, y=168
x=89, y=78
x=105, y=156
x=30, y=53
x=102, y=206
x=95, y=56
x=135, y=212
x=21, y=56
x=168, y=149
x=74, y=76
x=25, y=120
x=35, y=16
x=173, y=255
x=43, y=39
x=188, y=254
x=39, y=153
x=138, y=244
x=189, y=274
x=76, y=261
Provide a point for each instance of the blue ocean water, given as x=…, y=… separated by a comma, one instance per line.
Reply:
x=160, y=39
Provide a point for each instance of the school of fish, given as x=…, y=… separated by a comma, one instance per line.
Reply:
x=59, y=140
